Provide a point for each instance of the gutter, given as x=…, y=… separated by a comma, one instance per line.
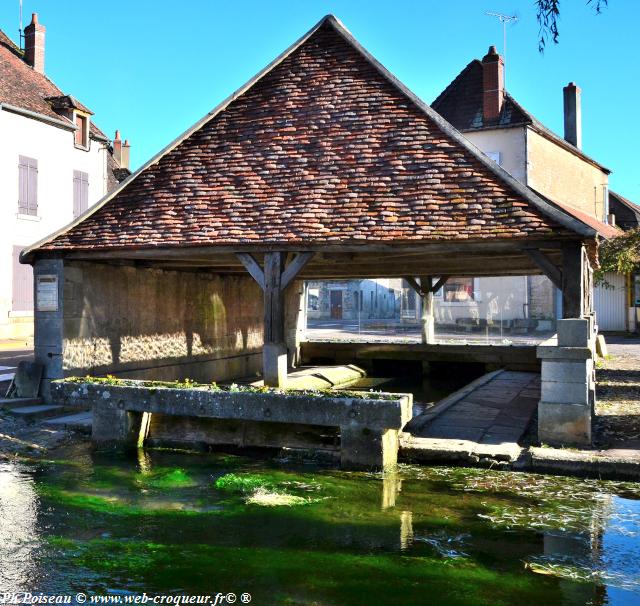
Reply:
x=36, y=116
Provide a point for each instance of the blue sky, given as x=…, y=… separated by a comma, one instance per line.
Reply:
x=152, y=68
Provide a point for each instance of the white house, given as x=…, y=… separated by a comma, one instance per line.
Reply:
x=54, y=162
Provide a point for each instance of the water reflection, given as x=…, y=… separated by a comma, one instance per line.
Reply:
x=102, y=520
x=19, y=539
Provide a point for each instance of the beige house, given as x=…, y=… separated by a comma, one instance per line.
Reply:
x=478, y=105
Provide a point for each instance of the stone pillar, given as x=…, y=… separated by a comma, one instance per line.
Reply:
x=567, y=397
x=48, y=297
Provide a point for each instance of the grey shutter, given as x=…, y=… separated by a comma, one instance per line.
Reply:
x=27, y=186
x=80, y=192
x=22, y=291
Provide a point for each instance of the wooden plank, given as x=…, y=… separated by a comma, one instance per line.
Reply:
x=253, y=268
x=294, y=268
x=548, y=268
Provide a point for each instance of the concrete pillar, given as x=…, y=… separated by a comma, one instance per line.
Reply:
x=48, y=276
x=567, y=396
x=362, y=448
x=113, y=425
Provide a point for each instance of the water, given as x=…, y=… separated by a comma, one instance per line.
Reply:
x=175, y=523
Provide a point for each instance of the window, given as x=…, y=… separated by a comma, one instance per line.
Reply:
x=457, y=290
x=495, y=156
x=82, y=131
x=27, y=186
x=313, y=299
x=80, y=192
x=22, y=291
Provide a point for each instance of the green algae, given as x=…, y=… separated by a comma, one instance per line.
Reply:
x=298, y=576
x=242, y=483
x=445, y=535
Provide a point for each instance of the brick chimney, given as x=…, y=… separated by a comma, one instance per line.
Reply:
x=572, y=114
x=125, y=155
x=117, y=148
x=492, y=85
x=34, y=44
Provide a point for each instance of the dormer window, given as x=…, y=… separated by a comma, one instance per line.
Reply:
x=82, y=130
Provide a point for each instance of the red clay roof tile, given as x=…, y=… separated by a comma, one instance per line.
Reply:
x=325, y=147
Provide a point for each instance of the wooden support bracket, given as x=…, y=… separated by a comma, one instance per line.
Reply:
x=253, y=267
x=544, y=263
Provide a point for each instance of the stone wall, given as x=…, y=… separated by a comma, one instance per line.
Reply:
x=156, y=324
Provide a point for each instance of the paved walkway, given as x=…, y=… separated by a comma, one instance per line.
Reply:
x=496, y=409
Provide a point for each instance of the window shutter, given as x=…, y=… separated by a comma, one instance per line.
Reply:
x=22, y=291
x=23, y=186
x=27, y=186
x=80, y=192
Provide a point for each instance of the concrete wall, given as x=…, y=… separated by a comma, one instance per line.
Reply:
x=564, y=177
x=509, y=142
x=155, y=324
x=57, y=157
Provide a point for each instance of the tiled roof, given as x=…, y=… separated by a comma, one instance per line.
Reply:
x=323, y=147
x=461, y=105
x=25, y=88
x=604, y=230
x=627, y=213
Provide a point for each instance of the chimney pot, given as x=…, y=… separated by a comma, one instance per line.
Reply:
x=34, y=44
x=492, y=85
x=573, y=114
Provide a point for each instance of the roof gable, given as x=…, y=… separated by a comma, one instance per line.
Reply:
x=23, y=87
x=324, y=146
x=461, y=105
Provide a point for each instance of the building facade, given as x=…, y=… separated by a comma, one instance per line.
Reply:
x=55, y=163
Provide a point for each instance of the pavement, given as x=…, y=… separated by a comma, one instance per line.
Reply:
x=12, y=352
x=389, y=331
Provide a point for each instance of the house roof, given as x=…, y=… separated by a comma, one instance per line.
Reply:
x=324, y=146
x=461, y=105
x=605, y=230
x=627, y=213
x=23, y=87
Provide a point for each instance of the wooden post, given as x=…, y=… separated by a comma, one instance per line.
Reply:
x=572, y=280
x=273, y=280
x=274, y=349
x=427, y=319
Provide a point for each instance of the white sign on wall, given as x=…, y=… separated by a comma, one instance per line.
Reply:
x=47, y=293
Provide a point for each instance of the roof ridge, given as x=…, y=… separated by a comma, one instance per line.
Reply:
x=562, y=218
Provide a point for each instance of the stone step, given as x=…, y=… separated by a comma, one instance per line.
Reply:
x=20, y=401
x=35, y=413
x=79, y=421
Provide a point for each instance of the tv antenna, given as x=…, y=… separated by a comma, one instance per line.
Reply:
x=504, y=19
x=20, y=34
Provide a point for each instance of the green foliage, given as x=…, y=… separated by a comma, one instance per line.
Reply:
x=621, y=255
